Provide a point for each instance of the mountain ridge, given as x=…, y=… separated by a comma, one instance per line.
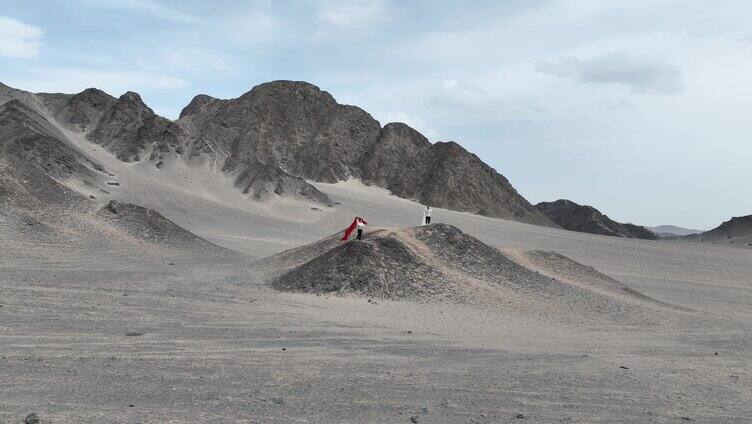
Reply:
x=278, y=136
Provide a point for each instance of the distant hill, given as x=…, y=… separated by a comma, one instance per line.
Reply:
x=737, y=230
x=586, y=219
x=665, y=231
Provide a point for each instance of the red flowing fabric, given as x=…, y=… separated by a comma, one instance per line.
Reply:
x=352, y=227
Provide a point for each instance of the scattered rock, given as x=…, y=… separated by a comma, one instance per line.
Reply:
x=315, y=209
x=113, y=183
x=520, y=416
x=91, y=196
x=623, y=367
x=131, y=405
x=414, y=419
x=687, y=418
x=278, y=400
x=715, y=353
x=284, y=348
x=134, y=334
x=32, y=418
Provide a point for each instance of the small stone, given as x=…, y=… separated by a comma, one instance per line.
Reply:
x=134, y=334
x=414, y=419
x=520, y=416
x=623, y=367
x=131, y=405
x=32, y=419
x=284, y=348
x=278, y=400
x=424, y=410
x=716, y=353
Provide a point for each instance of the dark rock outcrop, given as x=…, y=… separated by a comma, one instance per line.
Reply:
x=129, y=128
x=83, y=109
x=586, y=219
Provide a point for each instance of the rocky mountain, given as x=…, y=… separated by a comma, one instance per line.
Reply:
x=274, y=139
x=666, y=231
x=587, y=219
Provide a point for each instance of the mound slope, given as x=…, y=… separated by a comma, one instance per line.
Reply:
x=151, y=226
x=440, y=262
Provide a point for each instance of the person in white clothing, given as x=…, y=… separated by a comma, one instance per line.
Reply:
x=361, y=226
x=427, y=214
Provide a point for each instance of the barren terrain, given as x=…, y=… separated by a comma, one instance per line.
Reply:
x=147, y=334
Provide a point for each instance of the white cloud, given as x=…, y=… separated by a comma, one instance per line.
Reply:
x=150, y=7
x=413, y=121
x=194, y=60
x=18, y=39
x=349, y=13
x=467, y=96
x=73, y=80
x=641, y=74
x=618, y=104
x=251, y=25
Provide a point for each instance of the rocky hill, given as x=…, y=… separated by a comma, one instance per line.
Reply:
x=586, y=219
x=35, y=167
x=275, y=138
x=441, y=263
x=737, y=230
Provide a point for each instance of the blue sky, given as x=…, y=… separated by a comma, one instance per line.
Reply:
x=640, y=108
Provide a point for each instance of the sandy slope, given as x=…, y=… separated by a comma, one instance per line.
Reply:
x=209, y=343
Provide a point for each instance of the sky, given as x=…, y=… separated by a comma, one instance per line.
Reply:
x=639, y=108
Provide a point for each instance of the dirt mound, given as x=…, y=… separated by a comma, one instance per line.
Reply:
x=440, y=262
x=151, y=226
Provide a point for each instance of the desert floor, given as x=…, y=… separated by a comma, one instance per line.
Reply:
x=141, y=335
